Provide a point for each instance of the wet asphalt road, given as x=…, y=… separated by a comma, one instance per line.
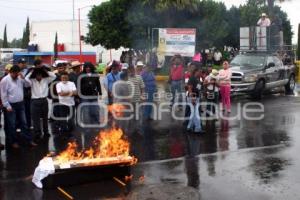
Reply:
x=234, y=159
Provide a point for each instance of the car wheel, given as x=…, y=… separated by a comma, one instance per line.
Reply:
x=258, y=90
x=290, y=86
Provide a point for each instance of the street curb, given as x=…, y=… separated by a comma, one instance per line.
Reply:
x=161, y=78
x=298, y=70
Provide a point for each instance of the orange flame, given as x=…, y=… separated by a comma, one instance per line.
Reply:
x=107, y=144
x=116, y=109
x=128, y=178
x=142, y=179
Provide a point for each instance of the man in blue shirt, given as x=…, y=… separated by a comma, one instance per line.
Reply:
x=12, y=96
x=111, y=78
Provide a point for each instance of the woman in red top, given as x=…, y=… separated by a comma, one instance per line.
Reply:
x=176, y=77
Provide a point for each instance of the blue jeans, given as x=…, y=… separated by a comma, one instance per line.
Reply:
x=17, y=113
x=148, y=108
x=176, y=90
x=90, y=112
x=194, y=121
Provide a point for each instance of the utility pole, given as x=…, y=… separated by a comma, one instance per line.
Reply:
x=73, y=20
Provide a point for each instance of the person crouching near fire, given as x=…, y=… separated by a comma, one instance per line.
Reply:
x=193, y=114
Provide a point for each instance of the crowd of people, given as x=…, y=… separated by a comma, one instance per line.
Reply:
x=26, y=91
x=201, y=85
x=25, y=94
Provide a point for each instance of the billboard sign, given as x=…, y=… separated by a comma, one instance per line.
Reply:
x=177, y=41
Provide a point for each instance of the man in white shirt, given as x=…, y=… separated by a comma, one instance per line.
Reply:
x=217, y=57
x=39, y=78
x=12, y=97
x=264, y=21
x=22, y=63
x=66, y=91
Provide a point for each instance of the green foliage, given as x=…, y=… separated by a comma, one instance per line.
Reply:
x=129, y=23
x=55, y=47
x=286, y=25
x=298, y=44
x=16, y=43
x=5, y=42
x=161, y=5
x=26, y=35
x=108, y=25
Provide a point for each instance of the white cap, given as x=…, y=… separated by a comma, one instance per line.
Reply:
x=263, y=14
x=58, y=61
x=124, y=66
x=139, y=63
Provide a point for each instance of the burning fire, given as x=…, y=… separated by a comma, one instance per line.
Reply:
x=108, y=148
x=116, y=109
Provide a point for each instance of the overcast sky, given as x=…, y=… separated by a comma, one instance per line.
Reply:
x=15, y=12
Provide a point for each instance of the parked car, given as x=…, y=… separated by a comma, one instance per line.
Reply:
x=253, y=73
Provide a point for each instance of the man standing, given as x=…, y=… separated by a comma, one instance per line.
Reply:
x=66, y=91
x=137, y=88
x=217, y=57
x=89, y=91
x=59, y=68
x=176, y=78
x=39, y=78
x=76, y=70
x=264, y=21
x=111, y=78
x=12, y=96
x=27, y=91
x=150, y=89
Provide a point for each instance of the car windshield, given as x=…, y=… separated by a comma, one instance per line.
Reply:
x=248, y=61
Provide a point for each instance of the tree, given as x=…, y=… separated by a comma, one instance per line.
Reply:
x=5, y=42
x=128, y=23
x=107, y=25
x=55, y=47
x=16, y=43
x=298, y=48
x=161, y=5
x=233, y=20
x=26, y=35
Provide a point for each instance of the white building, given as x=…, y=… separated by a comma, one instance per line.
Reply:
x=43, y=33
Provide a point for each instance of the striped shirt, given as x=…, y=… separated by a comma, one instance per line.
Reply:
x=137, y=86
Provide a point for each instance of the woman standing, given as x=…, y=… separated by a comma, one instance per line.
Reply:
x=225, y=86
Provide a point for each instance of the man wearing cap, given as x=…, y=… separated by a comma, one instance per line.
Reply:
x=111, y=78
x=27, y=91
x=12, y=96
x=76, y=71
x=73, y=77
x=264, y=21
x=137, y=88
x=150, y=89
x=139, y=67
